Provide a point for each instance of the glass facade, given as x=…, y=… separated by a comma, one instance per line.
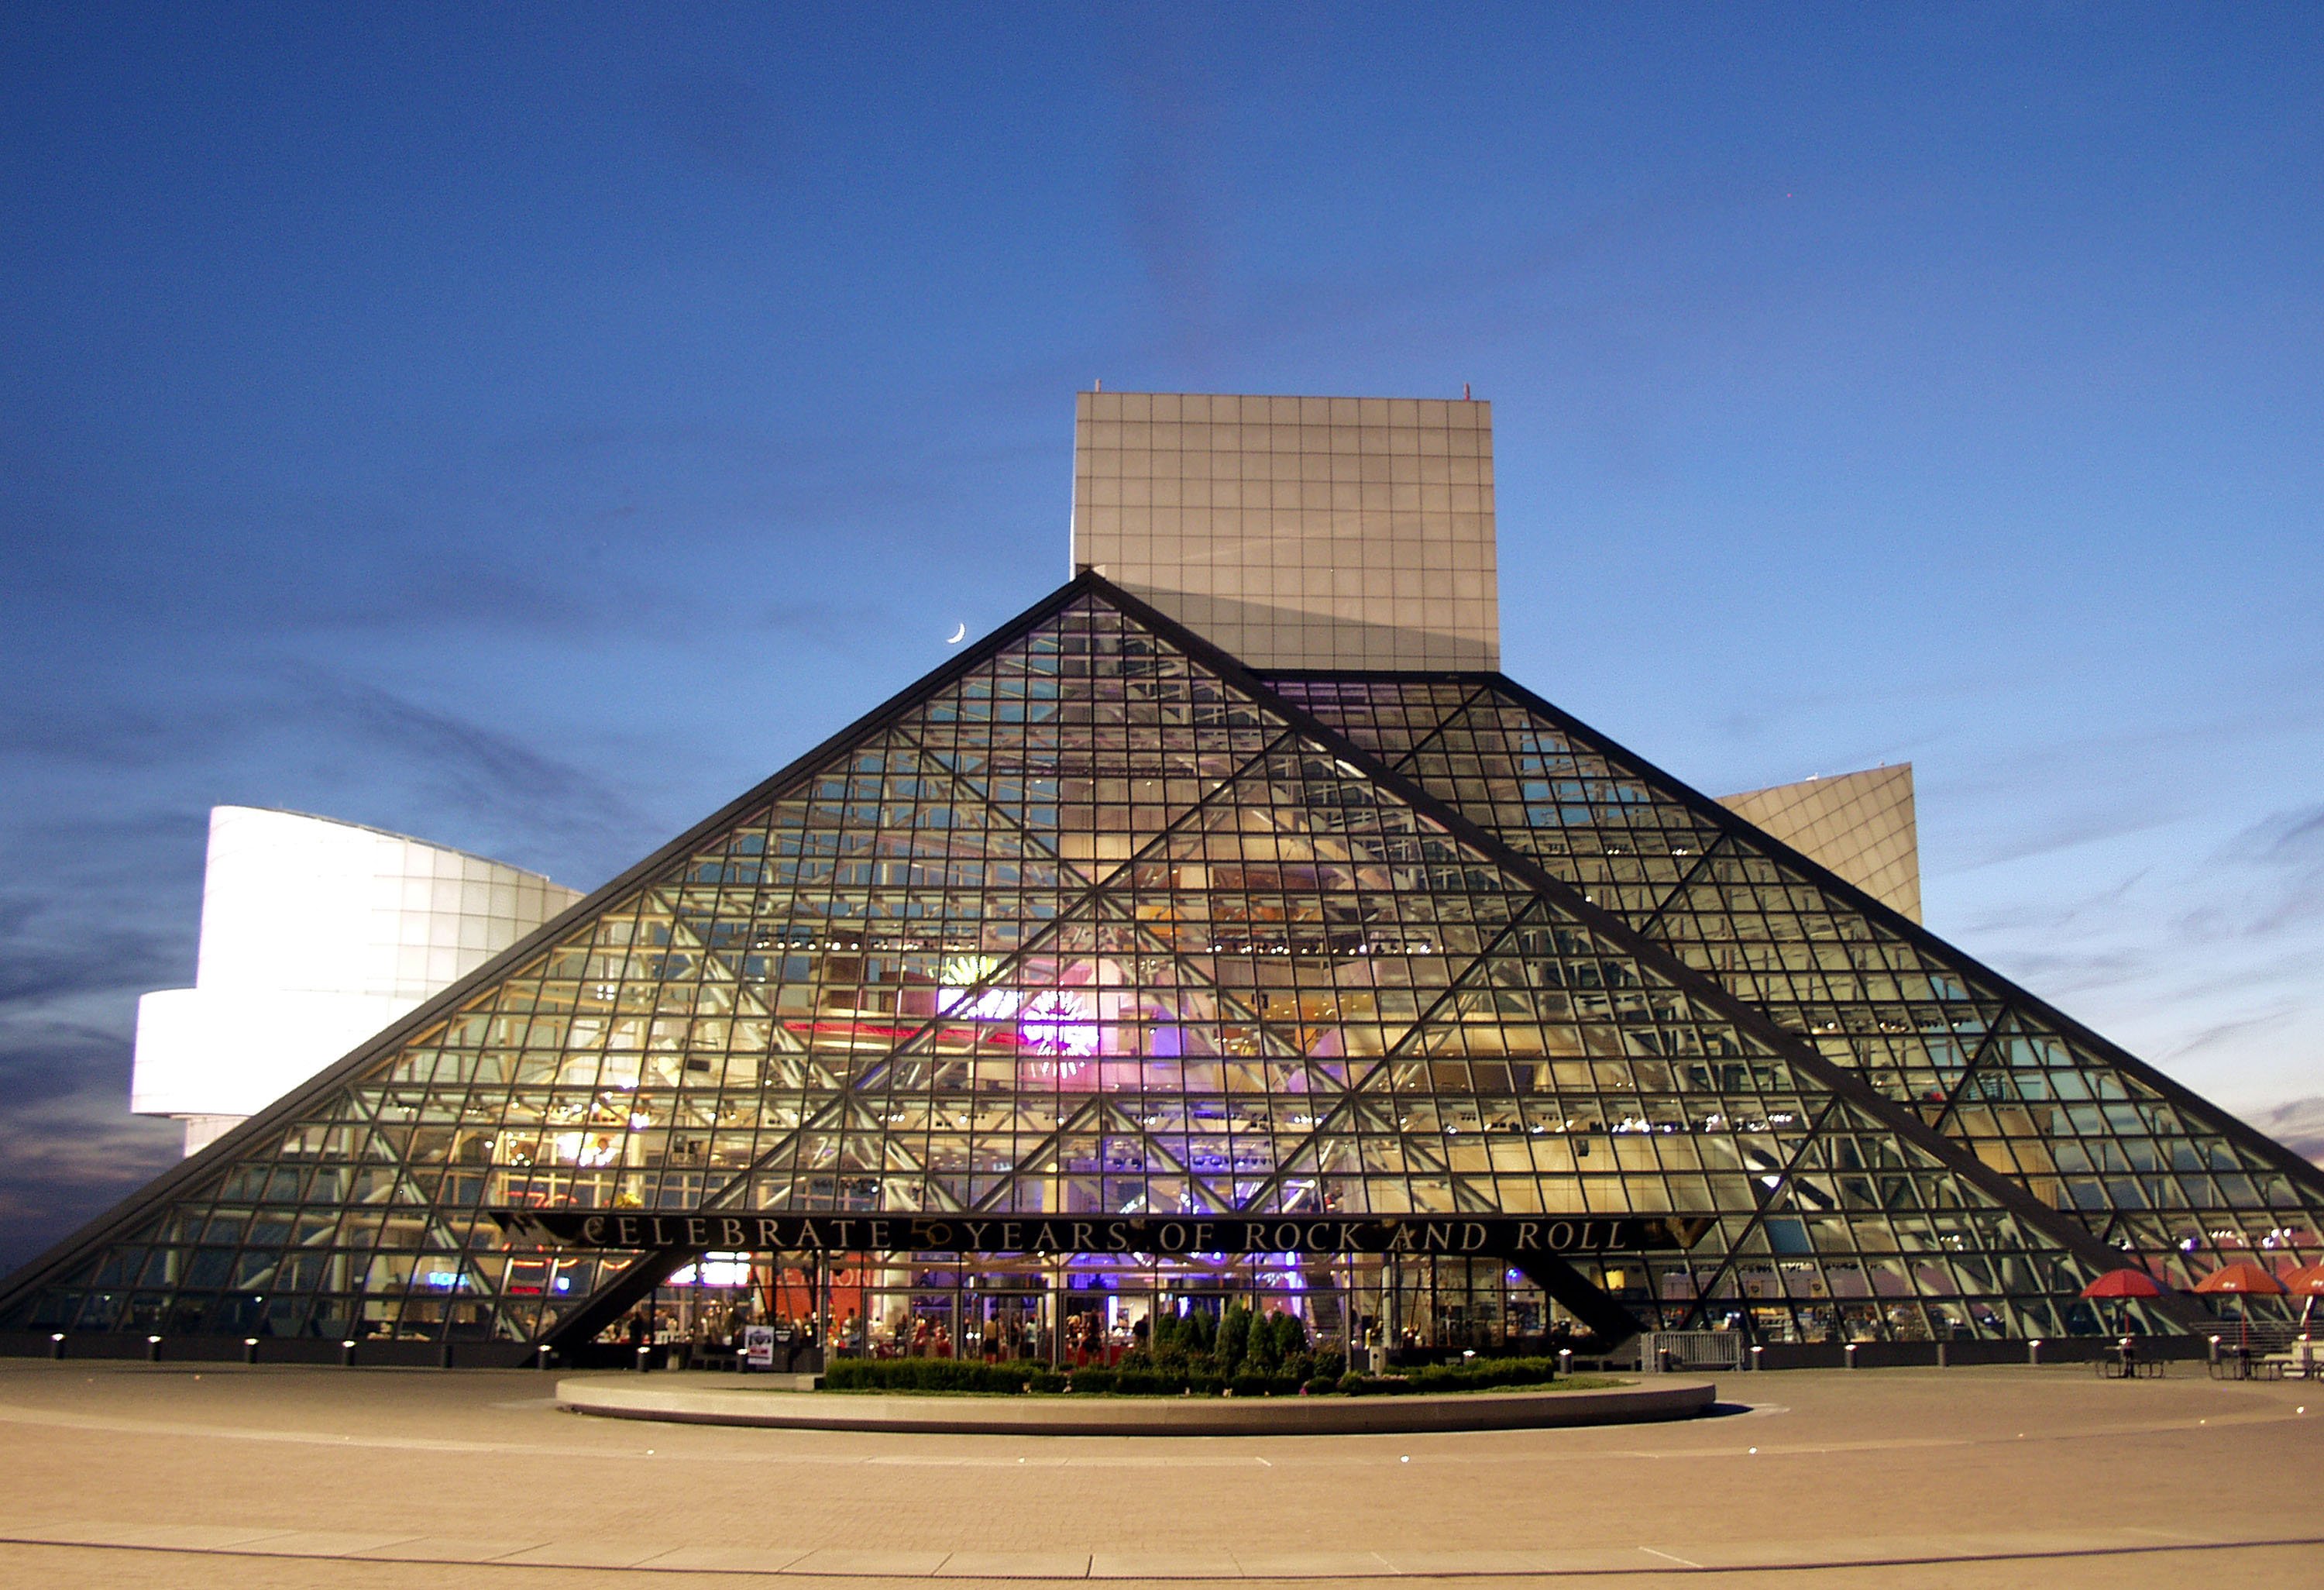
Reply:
x=1095, y=921
x=2167, y=1179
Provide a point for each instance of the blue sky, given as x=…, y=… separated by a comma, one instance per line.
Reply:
x=527, y=427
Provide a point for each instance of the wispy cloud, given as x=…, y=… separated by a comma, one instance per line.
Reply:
x=2056, y=915
x=504, y=779
x=38, y=968
x=2298, y=1125
x=2238, y=1029
x=101, y=905
x=68, y=1146
x=2284, y=855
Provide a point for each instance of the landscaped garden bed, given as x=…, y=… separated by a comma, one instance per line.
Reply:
x=1241, y=1354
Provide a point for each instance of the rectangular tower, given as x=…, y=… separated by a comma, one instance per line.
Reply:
x=1297, y=532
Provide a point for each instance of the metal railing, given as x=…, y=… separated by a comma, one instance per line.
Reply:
x=1662, y=1350
x=2265, y=1336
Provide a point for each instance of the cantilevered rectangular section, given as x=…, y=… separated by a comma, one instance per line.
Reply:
x=1297, y=532
x=1860, y=825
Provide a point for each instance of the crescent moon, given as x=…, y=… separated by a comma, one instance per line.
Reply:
x=957, y=636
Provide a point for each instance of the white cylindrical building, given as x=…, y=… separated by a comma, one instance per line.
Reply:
x=315, y=935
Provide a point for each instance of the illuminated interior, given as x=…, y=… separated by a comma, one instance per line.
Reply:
x=1094, y=921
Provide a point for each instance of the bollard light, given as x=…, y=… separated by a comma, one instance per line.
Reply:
x=55, y=1343
x=1755, y=1351
x=1850, y=1350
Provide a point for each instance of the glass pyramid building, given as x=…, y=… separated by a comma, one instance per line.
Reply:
x=1097, y=921
x=980, y=1027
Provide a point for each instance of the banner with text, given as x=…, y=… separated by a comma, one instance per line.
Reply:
x=1506, y=1236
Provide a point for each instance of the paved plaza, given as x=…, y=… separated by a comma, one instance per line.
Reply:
x=178, y=1475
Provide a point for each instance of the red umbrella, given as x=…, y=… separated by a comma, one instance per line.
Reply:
x=2246, y=1277
x=2308, y=1284
x=2122, y=1285
x=2244, y=1280
x=2126, y=1283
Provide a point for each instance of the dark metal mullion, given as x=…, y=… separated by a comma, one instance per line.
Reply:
x=1045, y=1145
x=1086, y=903
x=1177, y=958
x=156, y=1196
x=1759, y=1216
x=1436, y=731
x=888, y=1145
x=1223, y=1204
x=1349, y=1096
x=2062, y=1230
x=1976, y=978
x=923, y=755
x=1977, y=1059
x=1685, y=881
x=891, y=720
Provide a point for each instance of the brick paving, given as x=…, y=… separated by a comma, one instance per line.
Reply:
x=125, y=1475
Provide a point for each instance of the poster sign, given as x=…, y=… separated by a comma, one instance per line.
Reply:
x=758, y=1346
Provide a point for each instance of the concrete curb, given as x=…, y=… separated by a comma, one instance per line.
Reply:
x=611, y=1398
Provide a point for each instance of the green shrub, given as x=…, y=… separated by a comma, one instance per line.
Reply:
x=1481, y=1375
x=1264, y=1351
x=1202, y=1333
x=1094, y=1382
x=1233, y=1340
x=922, y=1374
x=1289, y=1335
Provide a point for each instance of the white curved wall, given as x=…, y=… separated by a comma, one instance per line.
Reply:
x=315, y=935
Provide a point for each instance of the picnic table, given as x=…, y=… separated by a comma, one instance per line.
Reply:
x=2123, y=1363
x=2240, y=1364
